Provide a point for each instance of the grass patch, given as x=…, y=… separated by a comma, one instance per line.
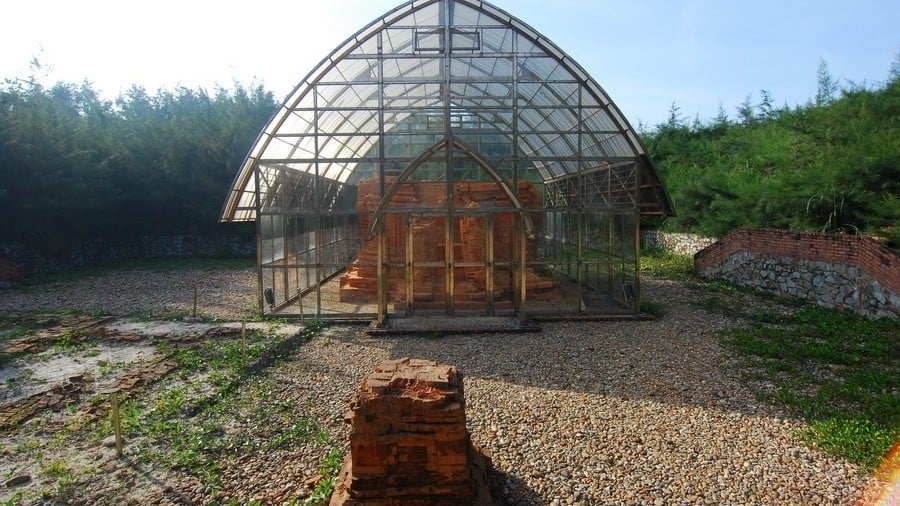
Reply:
x=838, y=371
x=664, y=264
x=652, y=308
x=183, y=426
x=329, y=470
x=148, y=264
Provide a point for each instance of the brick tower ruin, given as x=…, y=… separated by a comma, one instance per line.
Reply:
x=409, y=444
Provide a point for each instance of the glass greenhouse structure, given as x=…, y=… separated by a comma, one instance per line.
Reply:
x=447, y=159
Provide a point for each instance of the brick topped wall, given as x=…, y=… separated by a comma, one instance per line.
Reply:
x=830, y=269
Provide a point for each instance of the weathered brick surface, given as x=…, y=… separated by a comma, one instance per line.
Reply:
x=409, y=443
x=359, y=282
x=834, y=270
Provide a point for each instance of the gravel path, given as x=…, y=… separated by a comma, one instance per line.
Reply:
x=580, y=413
x=226, y=294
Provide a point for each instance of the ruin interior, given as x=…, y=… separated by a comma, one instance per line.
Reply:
x=359, y=282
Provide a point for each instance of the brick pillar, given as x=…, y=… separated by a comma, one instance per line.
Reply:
x=409, y=444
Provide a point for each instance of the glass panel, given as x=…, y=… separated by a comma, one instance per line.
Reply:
x=429, y=40
x=343, y=95
x=543, y=69
x=297, y=122
x=607, y=145
x=397, y=41
x=470, y=274
x=537, y=94
x=352, y=69
x=412, y=68
x=367, y=47
x=597, y=120
x=279, y=149
x=427, y=15
x=526, y=46
x=429, y=265
x=409, y=95
x=496, y=40
x=465, y=15
x=408, y=145
x=472, y=95
x=396, y=289
x=462, y=39
x=286, y=147
x=494, y=68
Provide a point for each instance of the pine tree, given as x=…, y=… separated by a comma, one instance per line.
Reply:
x=827, y=87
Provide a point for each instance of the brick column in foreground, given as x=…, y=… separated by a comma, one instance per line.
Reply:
x=409, y=444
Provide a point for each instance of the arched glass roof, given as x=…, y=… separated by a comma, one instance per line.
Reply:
x=433, y=69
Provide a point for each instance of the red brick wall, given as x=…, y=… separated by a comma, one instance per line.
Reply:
x=874, y=258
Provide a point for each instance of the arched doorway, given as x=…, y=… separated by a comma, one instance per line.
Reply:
x=452, y=236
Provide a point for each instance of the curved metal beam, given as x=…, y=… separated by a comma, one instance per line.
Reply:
x=426, y=155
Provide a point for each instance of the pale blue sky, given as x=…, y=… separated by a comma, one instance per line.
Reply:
x=646, y=54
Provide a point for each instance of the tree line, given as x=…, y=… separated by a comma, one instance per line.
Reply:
x=830, y=165
x=75, y=167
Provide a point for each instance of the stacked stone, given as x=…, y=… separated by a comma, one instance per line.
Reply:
x=409, y=444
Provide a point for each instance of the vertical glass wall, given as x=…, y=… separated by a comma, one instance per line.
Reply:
x=447, y=159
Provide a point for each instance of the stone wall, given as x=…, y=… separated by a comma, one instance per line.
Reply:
x=831, y=270
x=685, y=244
x=18, y=261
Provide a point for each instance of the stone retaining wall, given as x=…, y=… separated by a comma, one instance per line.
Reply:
x=685, y=244
x=831, y=270
x=18, y=261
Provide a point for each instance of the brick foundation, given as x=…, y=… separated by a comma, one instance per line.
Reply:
x=832, y=270
x=360, y=284
x=409, y=444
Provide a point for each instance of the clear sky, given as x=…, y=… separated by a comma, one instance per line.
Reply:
x=645, y=53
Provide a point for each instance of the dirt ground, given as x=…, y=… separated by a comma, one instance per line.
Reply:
x=213, y=414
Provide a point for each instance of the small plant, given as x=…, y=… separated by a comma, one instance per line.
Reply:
x=727, y=307
x=56, y=469
x=667, y=265
x=71, y=338
x=652, y=308
x=838, y=371
x=856, y=439
x=329, y=470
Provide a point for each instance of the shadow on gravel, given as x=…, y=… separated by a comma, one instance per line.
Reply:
x=676, y=359
x=161, y=489
x=509, y=490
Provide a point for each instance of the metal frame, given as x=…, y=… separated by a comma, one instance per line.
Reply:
x=408, y=94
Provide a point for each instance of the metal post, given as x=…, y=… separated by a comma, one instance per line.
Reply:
x=194, y=312
x=489, y=263
x=523, y=247
x=381, y=276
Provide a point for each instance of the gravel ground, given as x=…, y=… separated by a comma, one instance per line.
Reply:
x=226, y=294
x=581, y=413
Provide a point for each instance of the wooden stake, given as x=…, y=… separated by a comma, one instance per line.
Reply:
x=194, y=313
x=117, y=423
x=243, y=344
x=300, y=300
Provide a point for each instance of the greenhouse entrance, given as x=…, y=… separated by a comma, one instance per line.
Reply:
x=449, y=241
x=447, y=160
